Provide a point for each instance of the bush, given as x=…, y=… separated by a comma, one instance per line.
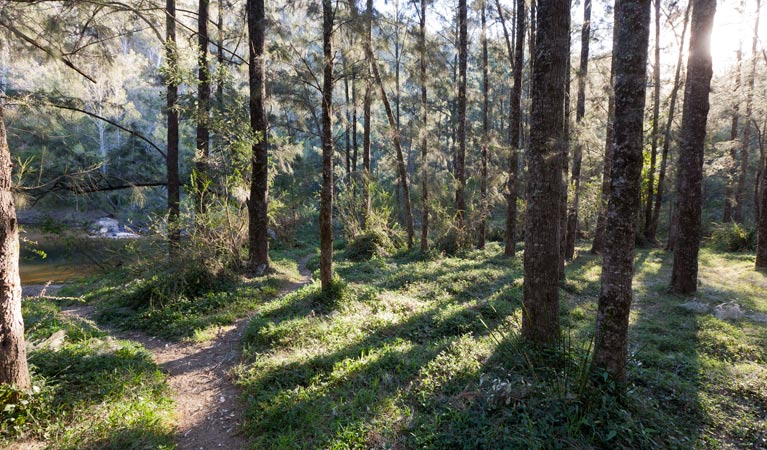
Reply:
x=370, y=244
x=732, y=237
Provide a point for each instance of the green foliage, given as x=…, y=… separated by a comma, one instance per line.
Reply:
x=732, y=237
x=374, y=243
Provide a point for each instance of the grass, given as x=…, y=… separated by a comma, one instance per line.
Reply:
x=426, y=354
x=91, y=393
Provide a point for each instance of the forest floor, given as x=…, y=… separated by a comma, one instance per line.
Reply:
x=409, y=352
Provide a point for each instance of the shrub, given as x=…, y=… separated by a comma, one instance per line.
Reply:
x=732, y=237
x=370, y=244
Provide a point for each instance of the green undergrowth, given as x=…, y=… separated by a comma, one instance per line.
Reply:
x=424, y=352
x=89, y=392
x=183, y=300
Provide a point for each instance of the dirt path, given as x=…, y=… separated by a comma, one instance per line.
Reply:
x=208, y=408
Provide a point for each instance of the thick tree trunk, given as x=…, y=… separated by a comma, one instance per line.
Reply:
x=171, y=159
x=423, y=134
x=667, y=130
x=632, y=23
x=326, y=196
x=202, y=175
x=745, y=143
x=460, y=156
x=258, y=204
x=13, y=353
x=684, y=275
x=649, y=231
x=565, y=160
x=580, y=111
x=729, y=198
x=485, y=137
x=540, y=315
x=517, y=61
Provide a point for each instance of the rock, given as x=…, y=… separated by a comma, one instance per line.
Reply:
x=54, y=342
x=728, y=311
x=758, y=317
x=695, y=306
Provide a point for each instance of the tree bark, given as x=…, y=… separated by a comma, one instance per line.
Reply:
x=761, y=238
x=580, y=111
x=667, y=130
x=258, y=204
x=540, y=314
x=202, y=175
x=632, y=23
x=485, y=137
x=13, y=354
x=565, y=159
x=171, y=155
x=649, y=231
x=745, y=148
x=424, y=134
x=729, y=199
x=684, y=275
x=326, y=196
x=367, y=118
x=460, y=156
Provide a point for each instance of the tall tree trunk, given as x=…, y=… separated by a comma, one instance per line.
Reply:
x=729, y=198
x=540, y=315
x=13, y=353
x=684, y=275
x=632, y=22
x=565, y=159
x=669, y=122
x=202, y=175
x=220, y=57
x=460, y=156
x=366, y=175
x=326, y=197
x=761, y=199
x=171, y=159
x=517, y=62
x=598, y=245
x=258, y=204
x=347, y=128
x=485, y=137
x=745, y=148
x=580, y=111
x=649, y=231
x=355, y=146
x=423, y=134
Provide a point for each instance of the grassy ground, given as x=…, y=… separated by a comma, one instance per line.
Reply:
x=426, y=354
x=91, y=393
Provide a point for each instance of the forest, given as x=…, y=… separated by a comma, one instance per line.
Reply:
x=383, y=224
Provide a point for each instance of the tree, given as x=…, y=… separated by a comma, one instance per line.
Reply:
x=326, y=196
x=632, y=32
x=729, y=199
x=485, y=136
x=460, y=156
x=684, y=275
x=580, y=111
x=258, y=204
x=171, y=159
x=203, y=106
x=540, y=315
x=516, y=59
x=13, y=356
x=366, y=116
x=649, y=230
x=761, y=241
x=423, y=133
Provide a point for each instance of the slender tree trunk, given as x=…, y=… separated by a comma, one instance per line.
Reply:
x=326, y=197
x=355, y=146
x=171, y=159
x=761, y=203
x=347, y=129
x=220, y=57
x=540, y=315
x=565, y=159
x=649, y=230
x=667, y=130
x=202, y=175
x=424, y=134
x=258, y=204
x=684, y=275
x=366, y=176
x=632, y=22
x=517, y=62
x=729, y=199
x=13, y=353
x=485, y=137
x=598, y=245
x=460, y=156
x=580, y=111
x=745, y=148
